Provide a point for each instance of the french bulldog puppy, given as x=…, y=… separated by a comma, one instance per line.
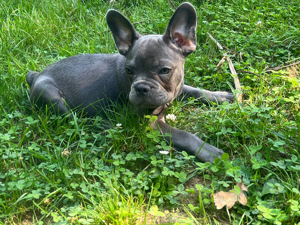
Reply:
x=148, y=71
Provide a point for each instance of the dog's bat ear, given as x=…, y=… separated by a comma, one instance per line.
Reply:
x=123, y=31
x=181, y=30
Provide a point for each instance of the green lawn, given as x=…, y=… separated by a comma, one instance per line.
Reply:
x=54, y=170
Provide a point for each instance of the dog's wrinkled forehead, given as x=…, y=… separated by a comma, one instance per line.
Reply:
x=151, y=47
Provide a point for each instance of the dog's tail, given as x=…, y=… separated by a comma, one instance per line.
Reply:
x=31, y=76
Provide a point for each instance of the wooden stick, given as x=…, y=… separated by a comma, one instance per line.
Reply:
x=242, y=71
x=241, y=57
x=281, y=67
x=172, y=4
x=235, y=79
x=232, y=70
x=292, y=60
x=214, y=40
x=140, y=22
x=221, y=62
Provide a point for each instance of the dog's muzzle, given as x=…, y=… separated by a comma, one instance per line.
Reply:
x=142, y=89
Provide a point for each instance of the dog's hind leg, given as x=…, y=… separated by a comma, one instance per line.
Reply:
x=44, y=92
x=31, y=76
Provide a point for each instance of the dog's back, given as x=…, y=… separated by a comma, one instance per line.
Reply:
x=84, y=81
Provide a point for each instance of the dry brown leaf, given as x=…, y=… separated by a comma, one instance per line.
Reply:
x=229, y=198
x=242, y=186
x=243, y=199
x=225, y=198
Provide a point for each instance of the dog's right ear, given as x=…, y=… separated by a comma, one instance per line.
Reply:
x=122, y=30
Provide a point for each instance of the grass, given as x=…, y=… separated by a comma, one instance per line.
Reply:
x=56, y=170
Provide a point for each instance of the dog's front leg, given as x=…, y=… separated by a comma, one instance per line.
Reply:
x=206, y=96
x=185, y=141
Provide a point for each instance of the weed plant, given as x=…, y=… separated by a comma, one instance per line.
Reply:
x=55, y=170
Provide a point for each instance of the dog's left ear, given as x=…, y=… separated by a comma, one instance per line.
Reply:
x=181, y=30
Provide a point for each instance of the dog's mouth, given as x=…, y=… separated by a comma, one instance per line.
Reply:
x=149, y=99
x=144, y=105
x=148, y=94
x=145, y=102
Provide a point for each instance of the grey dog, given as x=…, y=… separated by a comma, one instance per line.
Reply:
x=149, y=71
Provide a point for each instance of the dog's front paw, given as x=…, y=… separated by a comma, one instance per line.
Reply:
x=223, y=96
x=209, y=153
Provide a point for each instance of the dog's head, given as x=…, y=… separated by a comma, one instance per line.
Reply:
x=155, y=63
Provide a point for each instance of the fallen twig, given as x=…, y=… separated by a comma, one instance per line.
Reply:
x=140, y=22
x=255, y=75
x=221, y=62
x=241, y=57
x=214, y=40
x=172, y=4
x=232, y=69
x=235, y=79
x=292, y=60
x=277, y=68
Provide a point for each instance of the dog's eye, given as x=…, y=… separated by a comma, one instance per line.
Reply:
x=128, y=71
x=165, y=70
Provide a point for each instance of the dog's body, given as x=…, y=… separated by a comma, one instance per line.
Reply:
x=149, y=71
x=87, y=87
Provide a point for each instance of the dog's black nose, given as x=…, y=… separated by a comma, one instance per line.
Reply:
x=142, y=89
